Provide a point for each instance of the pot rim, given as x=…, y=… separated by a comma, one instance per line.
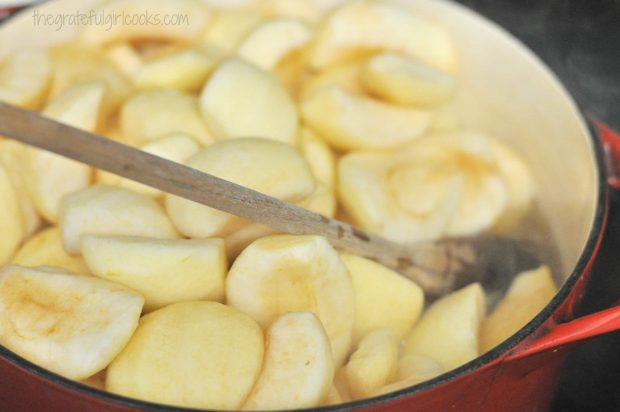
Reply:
x=587, y=255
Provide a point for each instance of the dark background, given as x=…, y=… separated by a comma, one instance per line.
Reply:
x=580, y=41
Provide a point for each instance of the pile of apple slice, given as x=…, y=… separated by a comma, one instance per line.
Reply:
x=331, y=105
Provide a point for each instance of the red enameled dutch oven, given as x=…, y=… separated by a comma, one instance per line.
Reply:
x=507, y=92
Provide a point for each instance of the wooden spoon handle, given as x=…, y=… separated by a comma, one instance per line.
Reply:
x=437, y=267
x=106, y=154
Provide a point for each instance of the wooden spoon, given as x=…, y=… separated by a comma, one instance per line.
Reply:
x=438, y=267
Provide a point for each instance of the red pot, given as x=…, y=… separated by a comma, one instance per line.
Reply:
x=539, y=120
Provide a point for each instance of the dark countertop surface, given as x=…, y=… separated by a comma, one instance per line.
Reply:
x=578, y=39
x=591, y=374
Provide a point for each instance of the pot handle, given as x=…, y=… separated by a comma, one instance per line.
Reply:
x=571, y=332
x=611, y=145
x=595, y=324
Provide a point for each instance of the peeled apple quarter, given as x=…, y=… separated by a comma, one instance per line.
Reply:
x=370, y=191
x=354, y=122
x=74, y=64
x=12, y=158
x=125, y=57
x=241, y=100
x=185, y=71
x=273, y=40
x=280, y=274
x=11, y=226
x=177, y=148
x=299, y=368
x=412, y=370
x=455, y=184
x=346, y=76
x=48, y=176
x=400, y=80
x=25, y=78
x=153, y=114
x=267, y=166
x=192, y=354
x=373, y=364
x=360, y=27
x=449, y=329
x=71, y=325
x=528, y=294
x=308, y=11
x=384, y=299
x=105, y=210
x=46, y=248
x=163, y=271
x=229, y=27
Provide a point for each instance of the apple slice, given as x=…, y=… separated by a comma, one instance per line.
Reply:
x=81, y=106
x=412, y=370
x=307, y=11
x=280, y=274
x=104, y=210
x=125, y=57
x=229, y=27
x=449, y=329
x=241, y=238
x=96, y=381
x=447, y=119
x=177, y=148
x=11, y=225
x=50, y=177
x=529, y=293
x=270, y=42
x=298, y=369
x=373, y=364
x=192, y=354
x=519, y=184
x=418, y=368
x=383, y=298
x=46, y=249
x=498, y=188
x=75, y=64
x=71, y=325
x=364, y=26
x=25, y=78
x=350, y=122
x=485, y=196
x=229, y=5
x=184, y=270
x=404, y=81
x=333, y=397
x=322, y=201
x=322, y=162
x=241, y=100
x=455, y=184
x=292, y=70
x=341, y=385
x=172, y=20
x=346, y=76
x=12, y=158
x=320, y=157
x=186, y=71
x=267, y=166
x=154, y=114
x=383, y=193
